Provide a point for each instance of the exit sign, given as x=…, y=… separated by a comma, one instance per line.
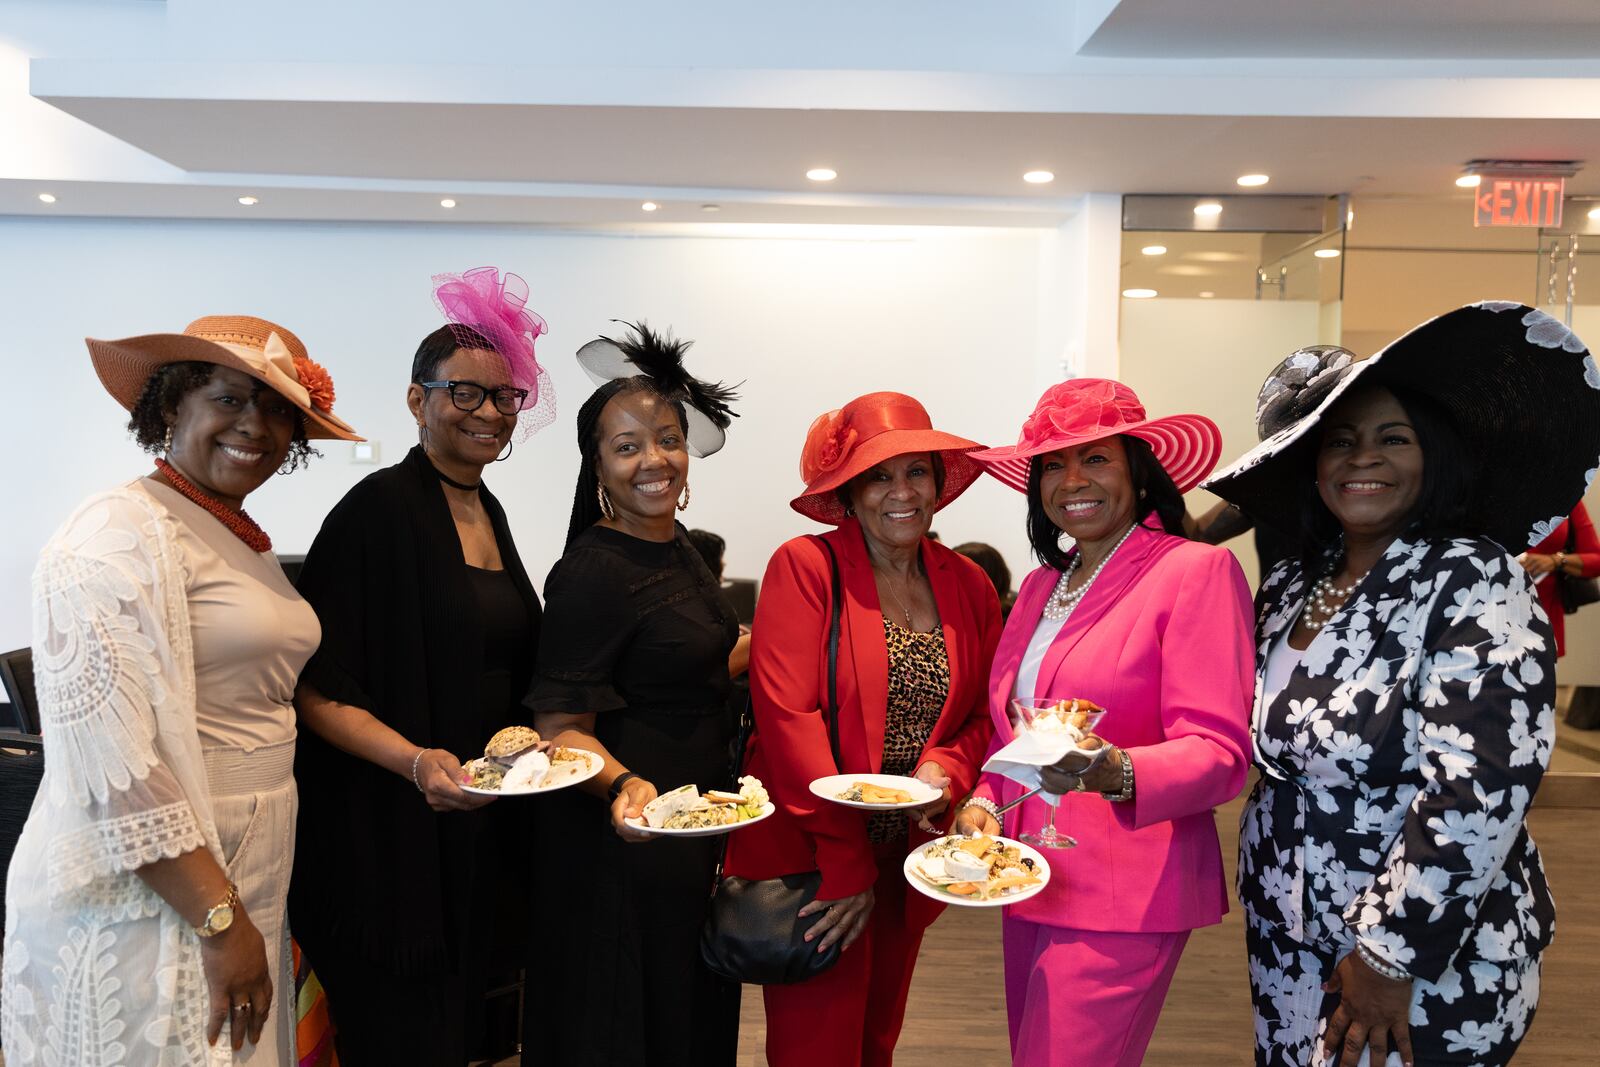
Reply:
x=1519, y=200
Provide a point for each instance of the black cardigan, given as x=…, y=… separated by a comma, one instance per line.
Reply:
x=377, y=873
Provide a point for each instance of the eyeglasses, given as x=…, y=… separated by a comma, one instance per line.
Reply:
x=468, y=396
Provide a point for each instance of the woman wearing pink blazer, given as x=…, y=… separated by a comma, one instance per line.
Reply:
x=1156, y=629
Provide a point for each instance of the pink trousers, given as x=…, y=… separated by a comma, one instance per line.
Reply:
x=1078, y=996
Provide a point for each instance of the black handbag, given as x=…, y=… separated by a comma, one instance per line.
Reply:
x=1576, y=592
x=753, y=932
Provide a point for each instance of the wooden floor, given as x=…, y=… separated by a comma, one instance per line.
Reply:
x=1206, y=1022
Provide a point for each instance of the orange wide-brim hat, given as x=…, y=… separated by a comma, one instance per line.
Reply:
x=264, y=350
x=864, y=433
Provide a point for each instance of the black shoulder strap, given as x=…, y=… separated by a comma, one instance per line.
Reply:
x=833, y=653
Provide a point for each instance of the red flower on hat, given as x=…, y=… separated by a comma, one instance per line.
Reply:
x=1078, y=409
x=318, y=382
x=828, y=444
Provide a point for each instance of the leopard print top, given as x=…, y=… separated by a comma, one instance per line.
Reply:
x=919, y=682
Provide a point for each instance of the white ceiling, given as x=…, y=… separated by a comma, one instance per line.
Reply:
x=1428, y=29
x=176, y=110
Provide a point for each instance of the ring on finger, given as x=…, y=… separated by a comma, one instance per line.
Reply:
x=242, y=1007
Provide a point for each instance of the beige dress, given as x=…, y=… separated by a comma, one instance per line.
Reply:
x=166, y=653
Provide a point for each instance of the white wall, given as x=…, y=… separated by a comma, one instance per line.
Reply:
x=1209, y=357
x=949, y=316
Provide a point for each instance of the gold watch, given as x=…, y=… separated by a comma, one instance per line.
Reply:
x=220, y=916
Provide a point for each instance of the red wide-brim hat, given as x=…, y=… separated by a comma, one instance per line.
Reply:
x=1084, y=410
x=864, y=433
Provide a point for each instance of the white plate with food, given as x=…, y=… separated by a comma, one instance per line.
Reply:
x=875, y=792
x=978, y=871
x=687, y=812
x=518, y=762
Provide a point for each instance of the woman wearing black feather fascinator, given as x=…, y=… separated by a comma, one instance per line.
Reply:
x=633, y=664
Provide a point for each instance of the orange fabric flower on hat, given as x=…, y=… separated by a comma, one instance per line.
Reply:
x=318, y=382
x=828, y=444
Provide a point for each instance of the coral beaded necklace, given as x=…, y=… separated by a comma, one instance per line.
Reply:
x=238, y=523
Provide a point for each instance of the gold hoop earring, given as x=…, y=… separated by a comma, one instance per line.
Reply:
x=166, y=443
x=605, y=502
x=683, y=501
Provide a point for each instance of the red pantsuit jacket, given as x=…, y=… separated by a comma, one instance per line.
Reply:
x=788, y=686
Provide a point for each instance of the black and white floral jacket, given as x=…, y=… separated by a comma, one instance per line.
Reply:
x=1399, y=762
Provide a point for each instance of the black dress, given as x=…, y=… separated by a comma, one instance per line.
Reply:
x=405, y=913
x=639, y=633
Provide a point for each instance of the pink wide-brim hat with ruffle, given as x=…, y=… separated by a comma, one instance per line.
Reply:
x=1084, y=410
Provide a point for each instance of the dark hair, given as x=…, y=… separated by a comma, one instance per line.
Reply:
x=935, y=461
x=1153, y=492
x=440, y=345
x=165, y=389
x=711, y=548
x=586, y=499
x=1444, y=505
x=993, y=563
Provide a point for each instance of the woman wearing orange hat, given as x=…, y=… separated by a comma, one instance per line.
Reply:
x=918, y=625
x=145, y=900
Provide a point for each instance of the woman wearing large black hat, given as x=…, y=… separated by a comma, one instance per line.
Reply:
x=1404, y=686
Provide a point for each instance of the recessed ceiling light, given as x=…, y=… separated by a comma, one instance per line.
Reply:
x=248, y=201
x=710, y=207
x=1039, y=177
x=822, y=174
x=1138, y=294
x=47, y=198
x=1594, y=213
x=1154, y=250
x=1206, y=294
x=1470, y=181
x=649, y=205
x=1208, y=209
x=447, y=202
x=1326, y=253
x=1249, y=180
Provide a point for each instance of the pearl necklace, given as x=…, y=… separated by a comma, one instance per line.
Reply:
x=1326, y=599
x=1062, y=599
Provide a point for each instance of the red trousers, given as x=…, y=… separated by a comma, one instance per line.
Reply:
x=850, y=1015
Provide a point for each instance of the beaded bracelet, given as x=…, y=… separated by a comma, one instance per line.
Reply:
x=1387, y=970
x=414, y=761
x=985, y=804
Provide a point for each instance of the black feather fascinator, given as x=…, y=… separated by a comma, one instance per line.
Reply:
x=659, y=357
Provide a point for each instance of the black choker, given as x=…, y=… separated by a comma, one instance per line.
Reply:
x=447, y=480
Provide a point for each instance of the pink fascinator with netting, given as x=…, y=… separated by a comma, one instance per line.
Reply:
x=483, y=305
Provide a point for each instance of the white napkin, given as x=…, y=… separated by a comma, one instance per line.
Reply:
x=1032, y=750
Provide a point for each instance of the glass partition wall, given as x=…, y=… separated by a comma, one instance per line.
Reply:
x=1208, y=309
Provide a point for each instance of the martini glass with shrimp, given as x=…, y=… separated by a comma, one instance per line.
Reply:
x=1074, y=720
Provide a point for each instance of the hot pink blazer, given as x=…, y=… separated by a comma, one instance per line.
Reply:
x=1163, y=641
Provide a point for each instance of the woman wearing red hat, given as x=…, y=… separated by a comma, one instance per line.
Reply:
x=918, y=625
x=1156, y=629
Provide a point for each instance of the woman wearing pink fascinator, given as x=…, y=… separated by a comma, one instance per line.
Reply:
x=400, y=900
x=1135, y=619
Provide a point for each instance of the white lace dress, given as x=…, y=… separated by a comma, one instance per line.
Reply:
x=98, y=969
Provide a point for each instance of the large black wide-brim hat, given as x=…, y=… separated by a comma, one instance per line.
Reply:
x=1522, y=390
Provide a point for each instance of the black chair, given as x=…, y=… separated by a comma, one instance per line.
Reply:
x=16, y=674
x=21, y=767
x=741, y=593
x=291, y=567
